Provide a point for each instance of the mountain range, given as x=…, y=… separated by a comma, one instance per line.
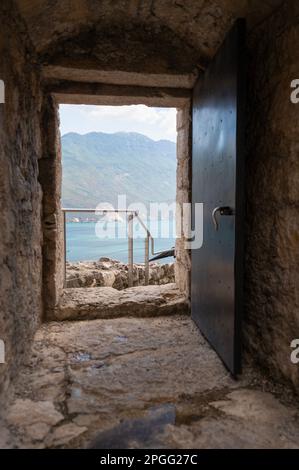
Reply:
x=97, y=167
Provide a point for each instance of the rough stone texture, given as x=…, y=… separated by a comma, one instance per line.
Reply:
x=50, y=177
x=112, y=273
x=113, y=87
x=153, y=53
x=141, y=383
x=272, y=243
x=20, y=194
x=184, y=146
x=69, y=92
x=106, y=302
x=64, y=434
x=168, y=41
x=27, y=412
x=199, y=25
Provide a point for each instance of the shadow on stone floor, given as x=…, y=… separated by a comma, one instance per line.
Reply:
x=137, y=433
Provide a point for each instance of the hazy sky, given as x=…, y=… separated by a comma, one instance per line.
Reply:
x=156, y=123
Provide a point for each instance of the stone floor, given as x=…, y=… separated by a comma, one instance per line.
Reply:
x=141, y=382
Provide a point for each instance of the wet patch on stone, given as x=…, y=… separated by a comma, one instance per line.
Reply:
x=137, y=433
x=98, y=365
x=121, y=339
x=81, y=357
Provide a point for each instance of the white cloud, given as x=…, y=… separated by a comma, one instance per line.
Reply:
x=156, y=123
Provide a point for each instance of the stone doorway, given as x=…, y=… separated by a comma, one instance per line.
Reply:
x=54, y=266
x=119, y=159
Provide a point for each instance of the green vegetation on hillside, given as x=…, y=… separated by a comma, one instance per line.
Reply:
x=97, y=167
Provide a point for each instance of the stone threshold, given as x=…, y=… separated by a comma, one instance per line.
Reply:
x=107, y=302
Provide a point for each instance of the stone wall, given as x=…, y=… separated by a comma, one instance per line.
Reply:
x=20, y=195
x=184, y=142
x=50, y=175
x=272, y=246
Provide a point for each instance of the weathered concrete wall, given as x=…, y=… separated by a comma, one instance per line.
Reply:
x=50, y=177
x=272, y=248
x=20, y=196
x=184, y=143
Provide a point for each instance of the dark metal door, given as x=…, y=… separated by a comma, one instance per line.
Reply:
x=218, y=183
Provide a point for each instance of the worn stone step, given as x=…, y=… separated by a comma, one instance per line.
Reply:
x=107, y=302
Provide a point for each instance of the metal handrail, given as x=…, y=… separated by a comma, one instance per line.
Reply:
x=131, y=215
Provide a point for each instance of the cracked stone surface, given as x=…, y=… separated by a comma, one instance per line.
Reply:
x=107, y=302
x=140, y=382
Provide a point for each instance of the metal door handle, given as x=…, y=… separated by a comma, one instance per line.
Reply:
x=224, y=210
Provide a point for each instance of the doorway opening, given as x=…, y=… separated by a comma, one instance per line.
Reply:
x=55, y=250
x=118, y=195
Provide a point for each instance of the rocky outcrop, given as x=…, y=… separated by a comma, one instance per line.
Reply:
x=107, y=272
x=106, y=302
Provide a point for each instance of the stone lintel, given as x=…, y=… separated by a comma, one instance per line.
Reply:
x=106, y=94
x=117, y=77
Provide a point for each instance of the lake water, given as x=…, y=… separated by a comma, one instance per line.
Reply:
x=83, y=244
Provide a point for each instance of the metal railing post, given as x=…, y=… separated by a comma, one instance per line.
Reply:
x=130, y=250
x=146, y=261
x=149, y=241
